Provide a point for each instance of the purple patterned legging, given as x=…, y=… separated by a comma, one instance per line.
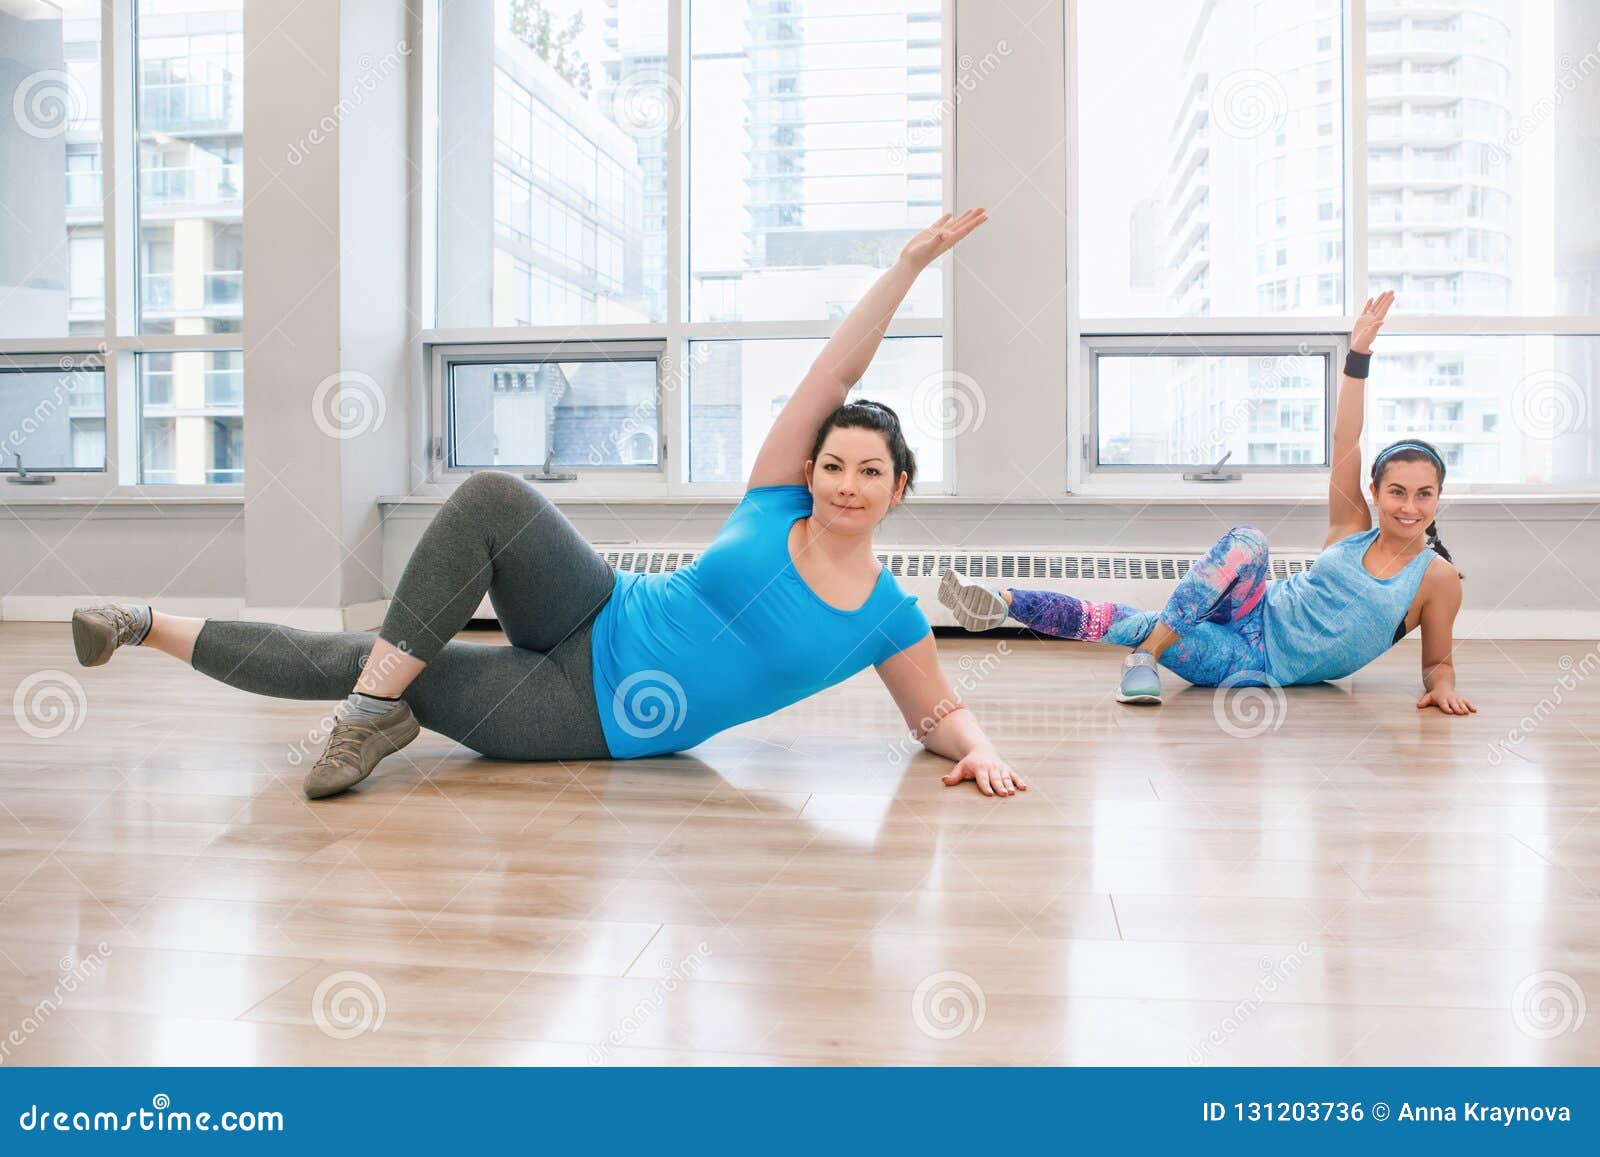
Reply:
x=1216, y=611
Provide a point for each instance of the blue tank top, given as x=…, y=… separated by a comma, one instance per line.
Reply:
x=735, y=635
x=1334, y=618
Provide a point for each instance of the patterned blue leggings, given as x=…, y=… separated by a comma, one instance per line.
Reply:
x=1216, y=611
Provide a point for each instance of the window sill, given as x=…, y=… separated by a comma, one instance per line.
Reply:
x=1070, y=499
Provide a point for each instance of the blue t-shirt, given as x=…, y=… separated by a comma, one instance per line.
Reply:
x=733, y=636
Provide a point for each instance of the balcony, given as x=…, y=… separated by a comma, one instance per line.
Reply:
x=181, y=109
x=194, y=185
x=221, y=289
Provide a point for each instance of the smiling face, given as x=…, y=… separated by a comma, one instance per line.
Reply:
x=852, y=480
x=1407, y=497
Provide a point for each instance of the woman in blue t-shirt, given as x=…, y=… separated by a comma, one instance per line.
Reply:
x=789, y=599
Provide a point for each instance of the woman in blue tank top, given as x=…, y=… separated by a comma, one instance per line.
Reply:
x=788, y=600
x=1227, y=625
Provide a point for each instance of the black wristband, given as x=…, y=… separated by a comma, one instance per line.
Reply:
x=1355, y=365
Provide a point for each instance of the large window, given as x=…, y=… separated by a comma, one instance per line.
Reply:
x=1218, y=195
x=52, y=264
x=576, y=142
x=164, y=367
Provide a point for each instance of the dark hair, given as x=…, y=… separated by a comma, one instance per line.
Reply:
x=1414, y=450
x=865, y=415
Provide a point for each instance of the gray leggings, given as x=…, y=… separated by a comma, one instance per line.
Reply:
x=532, y=700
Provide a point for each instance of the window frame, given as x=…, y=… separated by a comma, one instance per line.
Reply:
x=431, y=452
x=1324, y=346
x=119, y=343
x=1085, y=477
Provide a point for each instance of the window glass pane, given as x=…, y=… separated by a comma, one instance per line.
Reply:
x=1481, y=163
x=54, y=419
x=1166, y=410
x=52, y=268
x=814, y=153
x=190, y=151
x=1515, y=409
x=553, y=120
x=191, y=417
x=737, y=388
x=1210, y=158
x=584, y=413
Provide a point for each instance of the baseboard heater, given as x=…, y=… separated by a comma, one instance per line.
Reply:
x=1139, y=578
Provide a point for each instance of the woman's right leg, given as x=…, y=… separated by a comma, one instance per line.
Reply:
x=504, y=702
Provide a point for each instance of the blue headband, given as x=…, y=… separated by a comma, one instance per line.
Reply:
x=1398, y=446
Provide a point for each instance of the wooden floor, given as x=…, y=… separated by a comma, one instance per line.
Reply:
x=1360, y=883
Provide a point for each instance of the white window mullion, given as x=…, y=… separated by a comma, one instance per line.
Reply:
x=1355, y=188
x=1080, y=401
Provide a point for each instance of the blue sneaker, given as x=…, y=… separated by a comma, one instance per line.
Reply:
x=1141, y=681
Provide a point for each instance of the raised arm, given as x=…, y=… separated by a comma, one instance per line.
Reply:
x=848, y=353
x=940, y=722
x=1347, y=502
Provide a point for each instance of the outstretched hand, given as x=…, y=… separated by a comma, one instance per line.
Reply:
x=927, y=246
x=1370, y=321
x=1448, y=702
x=991, y=773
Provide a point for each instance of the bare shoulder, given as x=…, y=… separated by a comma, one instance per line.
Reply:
x=1441, y=581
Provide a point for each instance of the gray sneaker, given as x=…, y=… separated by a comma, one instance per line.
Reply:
x=976, y=606
x=354, y=748
x=98, y=631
